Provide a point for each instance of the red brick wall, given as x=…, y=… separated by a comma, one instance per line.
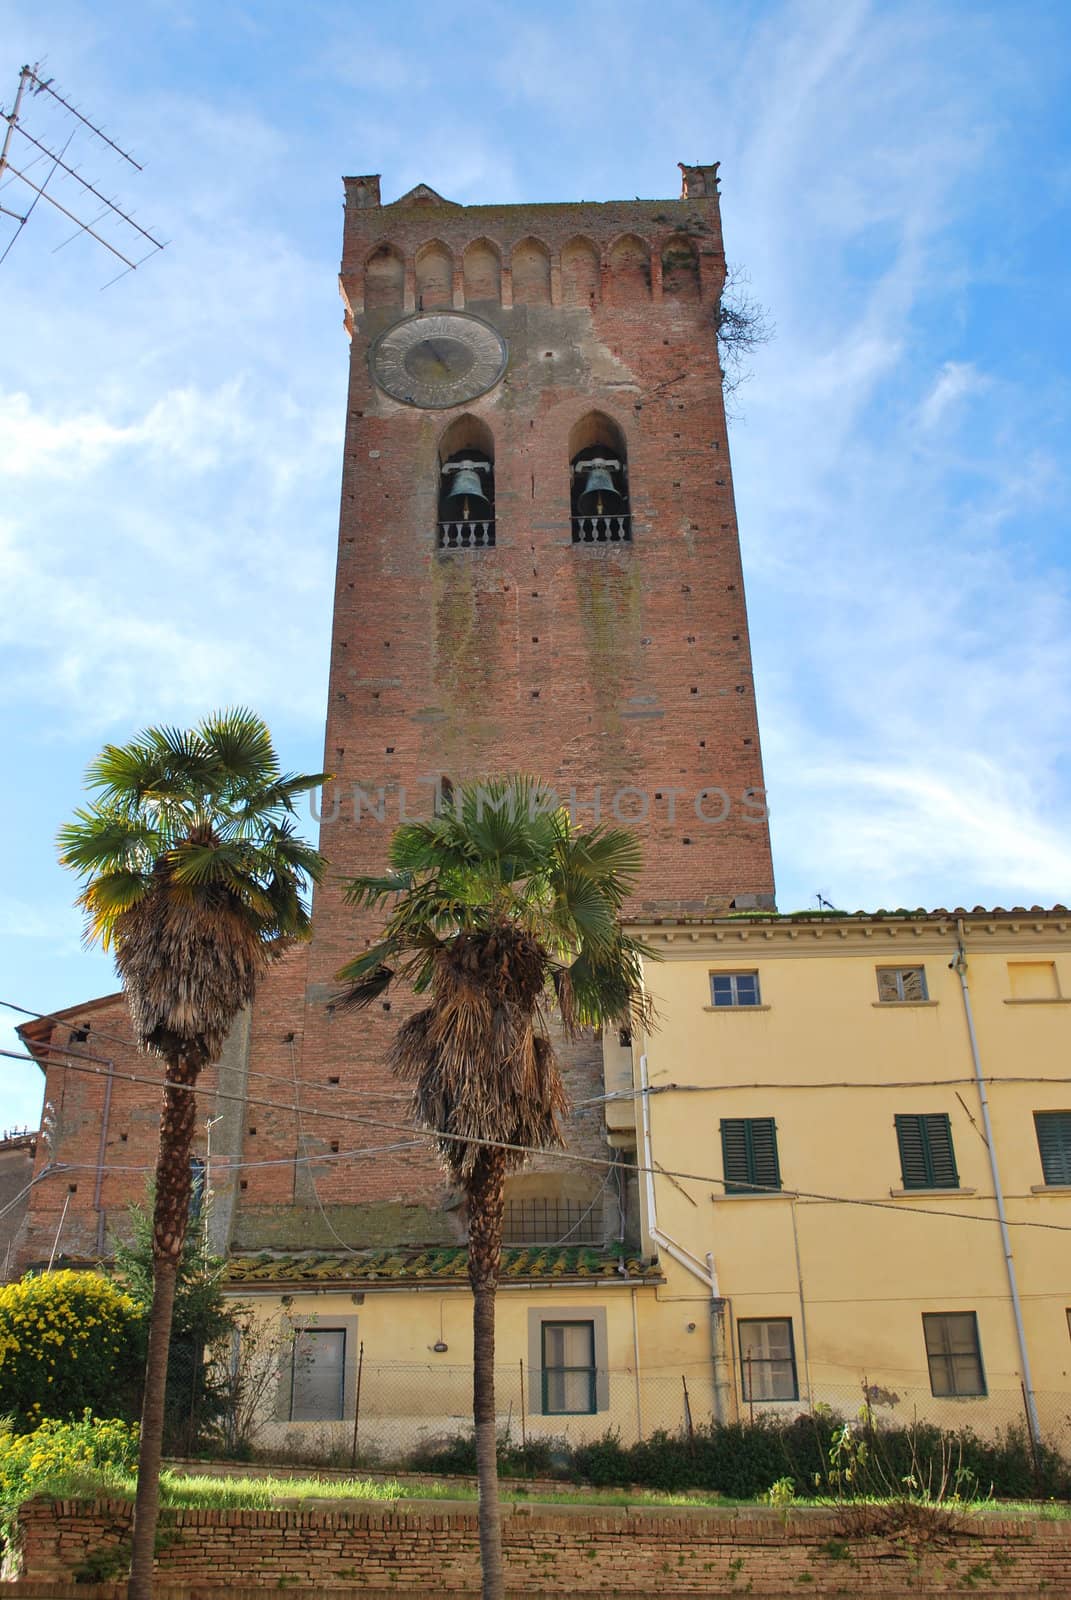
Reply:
x=433, y=1548
x=90, y=1125
x=597, y=668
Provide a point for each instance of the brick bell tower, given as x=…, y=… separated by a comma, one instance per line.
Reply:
x=538, y=571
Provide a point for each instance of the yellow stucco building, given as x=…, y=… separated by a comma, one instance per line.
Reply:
x=845, y=1107
x=811, y=1153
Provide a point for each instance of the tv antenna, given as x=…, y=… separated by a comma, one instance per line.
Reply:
x=22, y=144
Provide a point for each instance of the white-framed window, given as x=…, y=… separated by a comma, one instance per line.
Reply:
x=902, y=983
x=767, y=1359
x=734, y=989
x=568, y=1360
x=953, y=1352
x=569, y=1372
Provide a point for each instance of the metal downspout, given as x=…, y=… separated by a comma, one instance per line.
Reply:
x=636, y=1365
x=707, y=1275
x=959, y=965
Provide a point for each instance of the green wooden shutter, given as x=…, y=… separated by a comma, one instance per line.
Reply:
x=734, y=1145
x=749, y=1154
x=927, y=1159
x=764, y=1165
x=912, y=1153
x=1054, y=1143
x=938, y=1133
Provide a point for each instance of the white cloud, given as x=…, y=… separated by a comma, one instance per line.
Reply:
x=955, y=381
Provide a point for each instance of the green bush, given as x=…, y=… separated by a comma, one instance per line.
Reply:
x=69, y=1341
x=202, y=1324
x=742, y=1459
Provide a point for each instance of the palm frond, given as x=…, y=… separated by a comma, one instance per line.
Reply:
x=239, y=742
x=195, y=872
x=372, y=889
x=100, y=839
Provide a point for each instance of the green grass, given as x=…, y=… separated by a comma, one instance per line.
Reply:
x=218, y=1492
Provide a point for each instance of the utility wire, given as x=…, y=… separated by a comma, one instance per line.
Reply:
x=128, y=1044
x=84, y=1064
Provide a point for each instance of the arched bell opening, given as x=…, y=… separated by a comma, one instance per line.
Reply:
x=598, y=490
x=466, y=519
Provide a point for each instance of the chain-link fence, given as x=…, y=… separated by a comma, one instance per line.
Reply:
x=391, y=1412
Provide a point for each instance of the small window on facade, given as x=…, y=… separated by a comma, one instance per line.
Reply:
x=953, y=1352
x=902, y=983
x=927, y=1160
x=1053, y=1129
x=734, y=988
x=318, y=1373
x=749, y=1154
x=767, y=1359
x=467, y=501
x=197, y=1188
x=568, y=1368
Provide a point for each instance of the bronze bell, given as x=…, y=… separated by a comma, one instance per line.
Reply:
x=467, y=488
x=599, y=497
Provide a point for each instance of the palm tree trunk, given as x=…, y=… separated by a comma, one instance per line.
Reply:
x=485, y=1203
x=171, y=1208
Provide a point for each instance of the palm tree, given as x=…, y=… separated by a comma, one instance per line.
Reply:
x=500, y=910
x=195, y=876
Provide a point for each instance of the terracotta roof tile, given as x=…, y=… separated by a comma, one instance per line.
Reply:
x=549, y=1263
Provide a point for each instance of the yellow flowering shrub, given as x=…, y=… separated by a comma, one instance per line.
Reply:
x=55, y=1453
x=68, y=1341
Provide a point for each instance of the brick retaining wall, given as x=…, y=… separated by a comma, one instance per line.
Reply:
x=432, y=1547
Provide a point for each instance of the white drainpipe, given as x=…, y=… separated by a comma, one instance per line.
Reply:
x=707, y=1275
x=959, y=965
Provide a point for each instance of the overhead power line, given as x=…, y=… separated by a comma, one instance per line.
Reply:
x=88, y=1064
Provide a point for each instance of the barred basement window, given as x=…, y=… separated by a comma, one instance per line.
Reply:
x=767, y=1359
x=749, y=1155
x=927, y=1159
x=540, y=1219
x=953, y=1352
x=568, y=1368
x=1053, y=1129
x=902, y=983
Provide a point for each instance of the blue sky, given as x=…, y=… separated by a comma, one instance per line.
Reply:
x=895, y=181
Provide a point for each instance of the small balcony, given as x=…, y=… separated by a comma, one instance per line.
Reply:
x=468, y=535
x=604, y=529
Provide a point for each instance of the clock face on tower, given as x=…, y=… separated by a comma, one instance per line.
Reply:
x=438, y=359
